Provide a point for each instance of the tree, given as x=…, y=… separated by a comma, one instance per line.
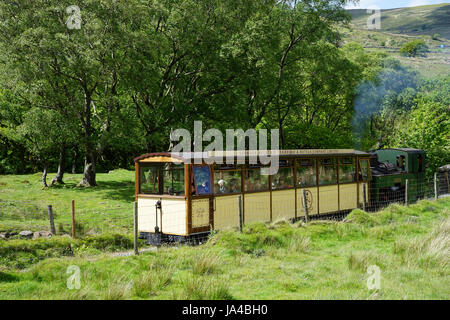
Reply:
x=72, y=70
x=43, y=131
x=427, y=126
x=414, y=48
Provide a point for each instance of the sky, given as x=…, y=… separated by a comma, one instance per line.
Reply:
x=389, y=4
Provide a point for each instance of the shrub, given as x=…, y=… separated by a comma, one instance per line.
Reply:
x=435, y=36
x=414, y=48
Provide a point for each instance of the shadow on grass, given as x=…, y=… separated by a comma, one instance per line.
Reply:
x=6, y=277
x=115, y=190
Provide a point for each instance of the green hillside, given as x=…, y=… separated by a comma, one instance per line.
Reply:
x=423, y=20
x=399, y=26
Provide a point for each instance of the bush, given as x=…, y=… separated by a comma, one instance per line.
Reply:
x=414, y=48
x=435, y=36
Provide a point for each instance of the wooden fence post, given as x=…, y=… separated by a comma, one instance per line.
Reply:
x=74, y=235
x=240, y=213
x=364, y=196
x=305, y=204
x=135, y=227
x=435, y=186
x=52, y=222
x=406, y=192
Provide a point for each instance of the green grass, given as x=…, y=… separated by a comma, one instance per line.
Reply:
x=318, y=260
x=103, y=209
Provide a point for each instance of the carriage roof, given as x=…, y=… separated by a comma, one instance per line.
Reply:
x=185, y=156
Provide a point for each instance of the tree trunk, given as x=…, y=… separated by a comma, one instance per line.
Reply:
x=89, y=179
x=44, y=176
x=61, y=164
x=89, y=171
x=74, y=162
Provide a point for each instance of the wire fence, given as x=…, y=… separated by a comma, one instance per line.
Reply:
x=17, y=216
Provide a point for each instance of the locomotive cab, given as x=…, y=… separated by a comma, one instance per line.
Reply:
x=390, y=170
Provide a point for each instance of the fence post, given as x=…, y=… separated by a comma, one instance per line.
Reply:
x=135, y=227
x=52, y=222
x=364, y=196
x=305, y=204
x=435, y=187
x=240, y=213
x=74, y=235
x=406, y=192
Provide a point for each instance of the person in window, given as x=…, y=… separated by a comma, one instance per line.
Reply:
x=233, y=187
x=203, y=188
x=401, y=162
x=222, y=188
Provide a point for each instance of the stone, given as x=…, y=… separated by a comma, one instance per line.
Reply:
x=42, y=234
x=11, y=234
x=2, y=236
x=26, y=234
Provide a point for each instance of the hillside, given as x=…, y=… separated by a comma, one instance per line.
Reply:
x=423, y=20
x=399, y=26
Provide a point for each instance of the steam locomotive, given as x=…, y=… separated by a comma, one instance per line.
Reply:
x=392, y=171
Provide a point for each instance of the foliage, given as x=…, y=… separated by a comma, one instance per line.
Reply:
x=414, y=48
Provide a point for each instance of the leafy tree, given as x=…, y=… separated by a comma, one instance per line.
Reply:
x=71, y=70
x=414, y=48
x=43, y=131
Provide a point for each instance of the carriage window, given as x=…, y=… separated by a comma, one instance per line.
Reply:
x=364, y=169
x=255, y=181
x=283, y=179
x=202, y=177
x=327, y=172
x=173, y=175
x=347, y=171
x=306, y=173
x=226, y=182
x=149, y=178
x=162, y=178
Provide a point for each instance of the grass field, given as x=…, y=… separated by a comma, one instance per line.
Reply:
x=103, y=209
x=318, y=260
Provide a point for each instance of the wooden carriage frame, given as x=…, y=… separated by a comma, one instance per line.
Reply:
x=179, y=215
